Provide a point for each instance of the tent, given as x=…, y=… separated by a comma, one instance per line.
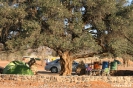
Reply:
x=17, y=67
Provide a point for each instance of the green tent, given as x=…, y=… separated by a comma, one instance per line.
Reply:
x=17, y=67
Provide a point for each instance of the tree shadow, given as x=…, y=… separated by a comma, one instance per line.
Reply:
x=121, y=73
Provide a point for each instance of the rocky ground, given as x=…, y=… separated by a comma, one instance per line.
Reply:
x=93, y=84
x=11, y=84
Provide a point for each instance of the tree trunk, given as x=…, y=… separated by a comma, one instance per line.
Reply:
x=66, y=63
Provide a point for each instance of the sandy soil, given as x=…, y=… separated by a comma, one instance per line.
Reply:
x=93, y=84
x=11, y=84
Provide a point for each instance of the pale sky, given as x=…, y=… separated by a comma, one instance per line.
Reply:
x=130, y=1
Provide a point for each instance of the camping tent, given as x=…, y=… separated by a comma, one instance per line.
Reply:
x=17, y=67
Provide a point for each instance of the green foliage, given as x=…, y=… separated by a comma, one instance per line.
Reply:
x=41, y=23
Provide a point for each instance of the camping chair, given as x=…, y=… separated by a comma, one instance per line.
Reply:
x=88, y=70
x=106, y=72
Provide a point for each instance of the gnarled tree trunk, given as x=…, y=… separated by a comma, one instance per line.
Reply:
x=66, y=63
x=66, y=60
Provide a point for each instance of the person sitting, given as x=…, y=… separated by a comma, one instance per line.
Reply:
x=106, y=72
x=88, y=69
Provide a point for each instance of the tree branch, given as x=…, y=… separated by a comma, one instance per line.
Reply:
x=85, y=55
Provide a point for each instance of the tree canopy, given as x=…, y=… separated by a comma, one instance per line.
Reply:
x=60, y=25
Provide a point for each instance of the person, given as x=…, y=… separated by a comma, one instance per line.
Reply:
x=88, y=69
x=106, y=72
x=81, y=68
x=1, y=70
x=32, y=65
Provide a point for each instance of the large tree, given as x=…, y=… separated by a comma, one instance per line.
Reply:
x=59, y=24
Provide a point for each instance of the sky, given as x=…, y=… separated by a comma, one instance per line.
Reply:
x=129, y=1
